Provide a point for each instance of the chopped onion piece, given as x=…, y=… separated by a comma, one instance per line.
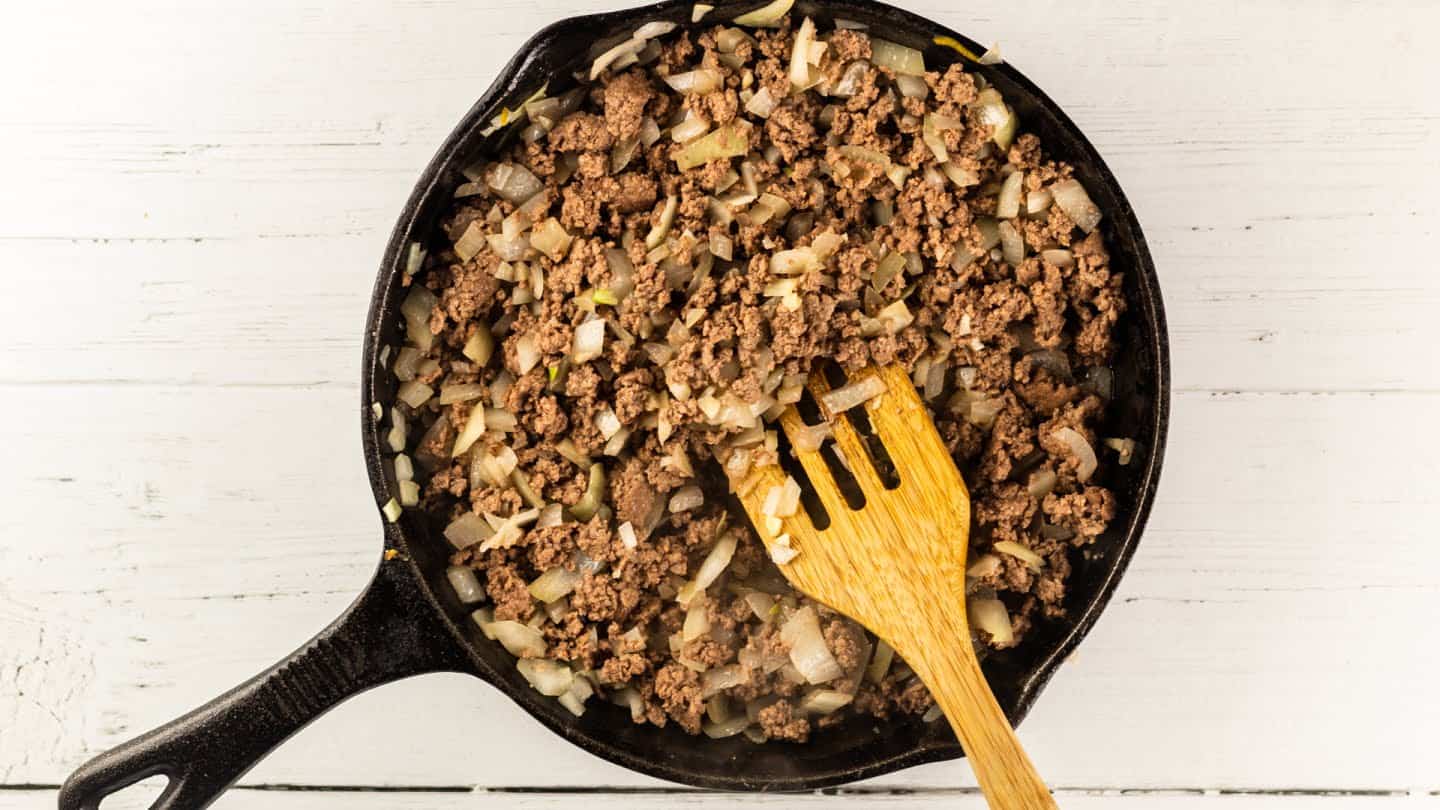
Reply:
x=554, y=584
x=824, y=701
x=589, y=342
x=629, y=47
x=392, y=510
x=607, y=423
x=654, y=28
x=880, y=661
x=416, y=309
x=509, y=532
x=649, y=132
x=409, y=493
x=782, y=500
x=695, y=82
x=589, y=503
x=1037, y=202
x=1075, y=202
x=807, y=647
x=894, y=317
x=414, y=393
x=991, y=55
x=466, y=585
x=1079, y=448
x=738, y=723
x=1012, y=244
x=627, y=535
x=461, y=392
x=470, y=241
x=710, y=570
x=697, y=621
x=1058, y=257
x=1008, y=204
x=699, y=11
x=766, y=15
x=800, y=54
x=989, y=615
x=686, y=498
x=404, y=468
x=896, y=57
x=1042, y=482
x=521, y=641
x=690, y=128
x=550, y=238
x=761, y=104
x=527, y=353
x=1124, y=448
x=467, y=530
x=731, y=140
x=474, y=429
x=1021, y=552
x=719, y=679
x=512, y=182
x=995, y=112
x=399, y=432
x=839, y=400
x=808, y=439
x=548, y=677
x=662, y=226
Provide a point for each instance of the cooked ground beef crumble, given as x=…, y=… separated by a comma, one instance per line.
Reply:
x=621, y=304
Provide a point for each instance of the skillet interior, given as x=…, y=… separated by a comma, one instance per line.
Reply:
x=863, y=747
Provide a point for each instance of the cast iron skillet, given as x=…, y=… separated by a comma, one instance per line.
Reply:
x=408, y=622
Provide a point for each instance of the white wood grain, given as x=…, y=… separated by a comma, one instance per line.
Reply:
x=196, y=196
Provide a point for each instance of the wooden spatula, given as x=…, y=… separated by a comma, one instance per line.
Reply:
x=897, y=566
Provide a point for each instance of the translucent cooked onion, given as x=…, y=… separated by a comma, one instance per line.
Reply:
x=766, y=15
x=1075, y=202
x=697, y=621
x=1008, y=204
x=392, y=510
x=589, y=503
x=761, y=604
x=1042, y=482
x=554, y=584
x=1079, y=448
x=629, y=47
x=695, y=82
x=466, y=585
x=1124, y=449
x=414, y=393
x=896, y=57
x=808, y=438
x=548, y=677
x=686, y=498
x=626, y=532
x=894, y=317
x=689, y=128
x=782, y=500
x=995, y=112
x=512, y=182
x=1037, y=202
x=550, y=238
x=653, y=29
x=1012, y=244
x=473, y=430
x=731, y=140
x=461, y=392
x=467, y=530
x=800, y=54
x=710, y=570
x=1020, y=552
x=509, y=531
x=1058, y=257
x=880, y=662
x=839, y=400
x=761, y=104
x=824, y=701
x=988, y=615
x=699, y=10
x=912, y=86
x=589, y=341
x=416, y=309
x=719, y=679
x=807, y=647
x=527, y=353
x=735, y=725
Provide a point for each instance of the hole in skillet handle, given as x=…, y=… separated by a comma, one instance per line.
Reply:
x=388, y=633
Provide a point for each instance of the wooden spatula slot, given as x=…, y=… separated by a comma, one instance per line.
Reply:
x=790, y=465
x=840, y=472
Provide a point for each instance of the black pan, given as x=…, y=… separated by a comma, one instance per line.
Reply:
x=408, y=622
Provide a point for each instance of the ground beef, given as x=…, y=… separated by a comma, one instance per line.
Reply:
x=700, y=333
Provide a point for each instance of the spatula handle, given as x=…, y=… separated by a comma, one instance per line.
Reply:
x=1004, y=771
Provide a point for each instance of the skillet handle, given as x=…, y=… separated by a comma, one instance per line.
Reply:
x=388, y=633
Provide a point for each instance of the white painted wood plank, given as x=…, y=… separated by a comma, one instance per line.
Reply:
x=162, y=551
x=1284, y=191
x=248, y=799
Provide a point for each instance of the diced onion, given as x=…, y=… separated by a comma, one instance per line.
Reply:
x=896, y=57
x=824, y=701
x=589, y=503
x=880, y=661
x=719, y=679
x=991, y=55
x=690, y=128
x=1036, y=202
x=739, y=723
x=626, y=531
x=467, y=530
x=807, y=439
x=548, y=677
x=839, y=400
x=1082, y=451
x=629, y=47
x=653, y=29
x=473, y=430
x=1012, y=244
x=466, y=585
x=766, y=15
x=989, y=615
x=414, y=393
x=761, y=104
x=695, y=82
x=1020, y=552
x=894, y=317
x=527, y=353
x=662, y=226
x=686, y=498
x=697, y=621
x=782, y=500
x=399, y=432
x=416, y=309
x=1124, y=448
x=461, y=392
x=1041, y=483
x=1058, y=257
x=710, y=570
x=1008, y=204
x=512, y=182
x=589, y=341
x=550, y=238
x=409, y=493
x=995, y=112
x=1075, y=202
x=800, y=54
x=807, y=647
x=698, y=12
x=392, y=510
x=731, y=140
x=554, y=584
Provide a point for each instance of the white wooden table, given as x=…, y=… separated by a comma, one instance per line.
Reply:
x=195, y=197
